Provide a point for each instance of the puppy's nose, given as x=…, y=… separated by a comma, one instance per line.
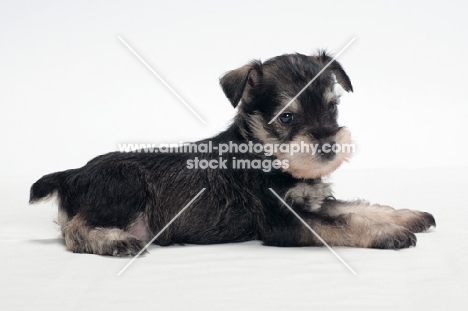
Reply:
x=327, y=150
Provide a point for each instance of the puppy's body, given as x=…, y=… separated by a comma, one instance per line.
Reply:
x=119, y=201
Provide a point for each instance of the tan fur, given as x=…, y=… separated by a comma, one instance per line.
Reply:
x=359, y=231
x=62, y=217
x=139, y=229
x=410, y=219
x=256, y=123
x=79, y=237
x=293, y=107
x=305, y=165
x=312, y=195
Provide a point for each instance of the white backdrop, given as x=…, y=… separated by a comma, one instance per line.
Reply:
x=70, y=90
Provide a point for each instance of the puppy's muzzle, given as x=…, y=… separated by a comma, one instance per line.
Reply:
x=326, y=150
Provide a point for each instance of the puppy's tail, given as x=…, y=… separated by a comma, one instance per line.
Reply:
x=46, y=186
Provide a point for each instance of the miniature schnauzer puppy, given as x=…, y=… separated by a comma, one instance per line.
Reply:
x=118, y=202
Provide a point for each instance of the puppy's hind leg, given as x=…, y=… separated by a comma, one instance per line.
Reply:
x=82, y=238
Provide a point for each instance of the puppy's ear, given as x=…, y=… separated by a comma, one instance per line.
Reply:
x=237, y=83
x=341, y=76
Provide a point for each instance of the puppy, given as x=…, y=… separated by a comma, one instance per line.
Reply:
x=118, y=202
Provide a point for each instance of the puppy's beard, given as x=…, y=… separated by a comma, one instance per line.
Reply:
x=303, y=164
x=307, y=165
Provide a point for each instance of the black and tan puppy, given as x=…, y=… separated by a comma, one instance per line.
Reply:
x=118, y=201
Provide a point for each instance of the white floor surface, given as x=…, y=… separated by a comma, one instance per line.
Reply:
x=38, y=273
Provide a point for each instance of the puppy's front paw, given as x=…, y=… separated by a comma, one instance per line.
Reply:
x=415, y=221
x=396, y=238
x=308, y=197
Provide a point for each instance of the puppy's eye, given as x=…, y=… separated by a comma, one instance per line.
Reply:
x=332, y=108
x=286, y=118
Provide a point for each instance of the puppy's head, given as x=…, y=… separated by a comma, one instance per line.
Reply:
x=263, y=90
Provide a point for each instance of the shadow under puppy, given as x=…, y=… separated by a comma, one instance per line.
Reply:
x=118, y=201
